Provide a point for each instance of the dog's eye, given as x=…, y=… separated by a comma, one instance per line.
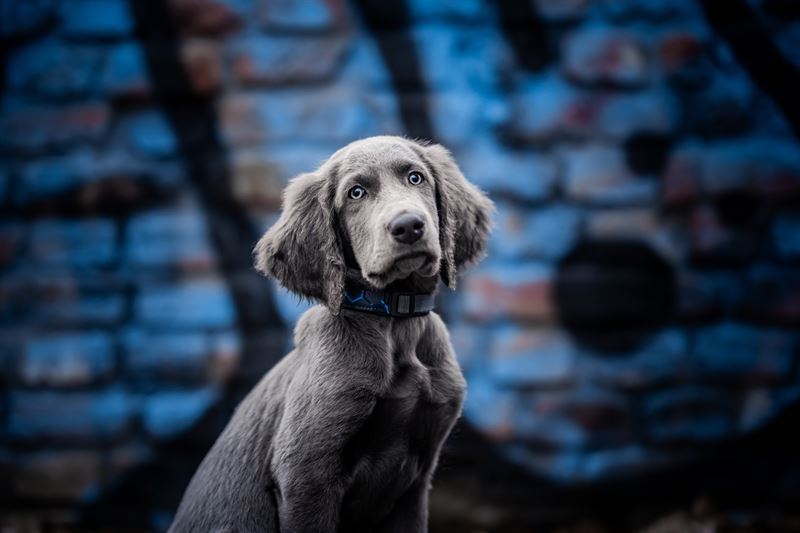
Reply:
x=357, y=192
x=415, y=178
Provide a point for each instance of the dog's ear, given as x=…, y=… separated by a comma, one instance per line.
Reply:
x=302, y=249
x=464, y=214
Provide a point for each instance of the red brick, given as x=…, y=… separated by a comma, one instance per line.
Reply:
x=772, y=295
x=707, y=233
x=681, y=55
x=257, y=181
x=202, y=61
x=205, y=17
x=524, y=294
x=12, y=236
x=604, y=55
x=65, y=475
x=683, y=176
x=39, y=128
x=280, y=60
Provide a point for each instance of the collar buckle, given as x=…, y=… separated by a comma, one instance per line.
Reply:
x=403, y=304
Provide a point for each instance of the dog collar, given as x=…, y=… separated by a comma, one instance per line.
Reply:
x=387, y=303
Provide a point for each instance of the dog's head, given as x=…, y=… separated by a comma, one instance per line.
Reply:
x=391, y=206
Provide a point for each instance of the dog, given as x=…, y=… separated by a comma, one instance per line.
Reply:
x=344, y=433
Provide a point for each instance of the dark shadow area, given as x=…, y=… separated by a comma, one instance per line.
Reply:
x=751, y=482
x=390, y=25
x=646, y=153
x=613, y=295
x=526, y=33
x=737, y=23
x=737, y=208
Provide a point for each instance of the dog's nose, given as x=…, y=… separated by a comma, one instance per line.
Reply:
x=407, y=228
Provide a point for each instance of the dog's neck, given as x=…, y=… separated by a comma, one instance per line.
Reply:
x=407, y=297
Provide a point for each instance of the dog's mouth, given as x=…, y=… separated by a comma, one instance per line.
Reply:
x=403, y=265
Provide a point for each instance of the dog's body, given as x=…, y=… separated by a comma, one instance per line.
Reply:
x=345, y=432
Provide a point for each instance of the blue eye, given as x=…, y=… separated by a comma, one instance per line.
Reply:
x=415, y=178
x=357, y=192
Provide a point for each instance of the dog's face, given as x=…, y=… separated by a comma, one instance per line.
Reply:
x=402, y=208
x=386, y=201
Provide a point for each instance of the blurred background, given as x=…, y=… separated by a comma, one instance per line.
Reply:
x=630, y=343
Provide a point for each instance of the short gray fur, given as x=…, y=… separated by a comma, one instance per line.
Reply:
x=344, y=433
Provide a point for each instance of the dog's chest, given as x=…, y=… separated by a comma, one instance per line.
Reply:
x=396, y=446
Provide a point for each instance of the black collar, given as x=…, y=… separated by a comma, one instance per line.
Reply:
x=387, y=303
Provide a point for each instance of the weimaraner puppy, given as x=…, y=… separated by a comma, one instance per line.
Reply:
x=344, y=433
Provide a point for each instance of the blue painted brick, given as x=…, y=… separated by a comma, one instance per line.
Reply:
x=167, y=414
x=651, y=9
x=531, y=357
x=125, y=73
x=490, y=407
x=84, y=242
x=586, y=417
x=745, y=353
x=163, y=238
x=329, y=114
x=450, y=10
x=180, y=356
x=55, y=69
x=97, y=18
x=47, y=176
x=460, y=59
x=686, y=415
x=599, y=174
x=521, y=175
x=573, y=466
x=149, y=134
x=786, y=235
x=67, y=359
x=546, y=108
x=304, y=15
x=543, y=233
x=662, y=360
x=70, y=417
x=766, y=166
x=205, y=303
x=82, y=310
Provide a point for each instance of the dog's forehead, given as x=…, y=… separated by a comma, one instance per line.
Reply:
x=376, y=152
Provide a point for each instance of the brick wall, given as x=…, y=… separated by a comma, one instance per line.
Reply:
x=642, y=291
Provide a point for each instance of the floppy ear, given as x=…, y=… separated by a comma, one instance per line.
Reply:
x=302, y=249
x=464, y=214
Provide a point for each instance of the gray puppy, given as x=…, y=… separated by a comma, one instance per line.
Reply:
x=344, y=433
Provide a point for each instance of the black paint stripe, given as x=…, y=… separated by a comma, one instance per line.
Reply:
x=390, y=24
x=738, y=24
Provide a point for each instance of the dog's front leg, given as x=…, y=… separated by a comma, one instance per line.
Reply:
x=410, y=513
x=308, y=464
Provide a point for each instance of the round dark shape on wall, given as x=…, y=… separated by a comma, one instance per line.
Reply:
x=782, y=9
x=737, y=208
x=646, y=153
x=613, y=295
